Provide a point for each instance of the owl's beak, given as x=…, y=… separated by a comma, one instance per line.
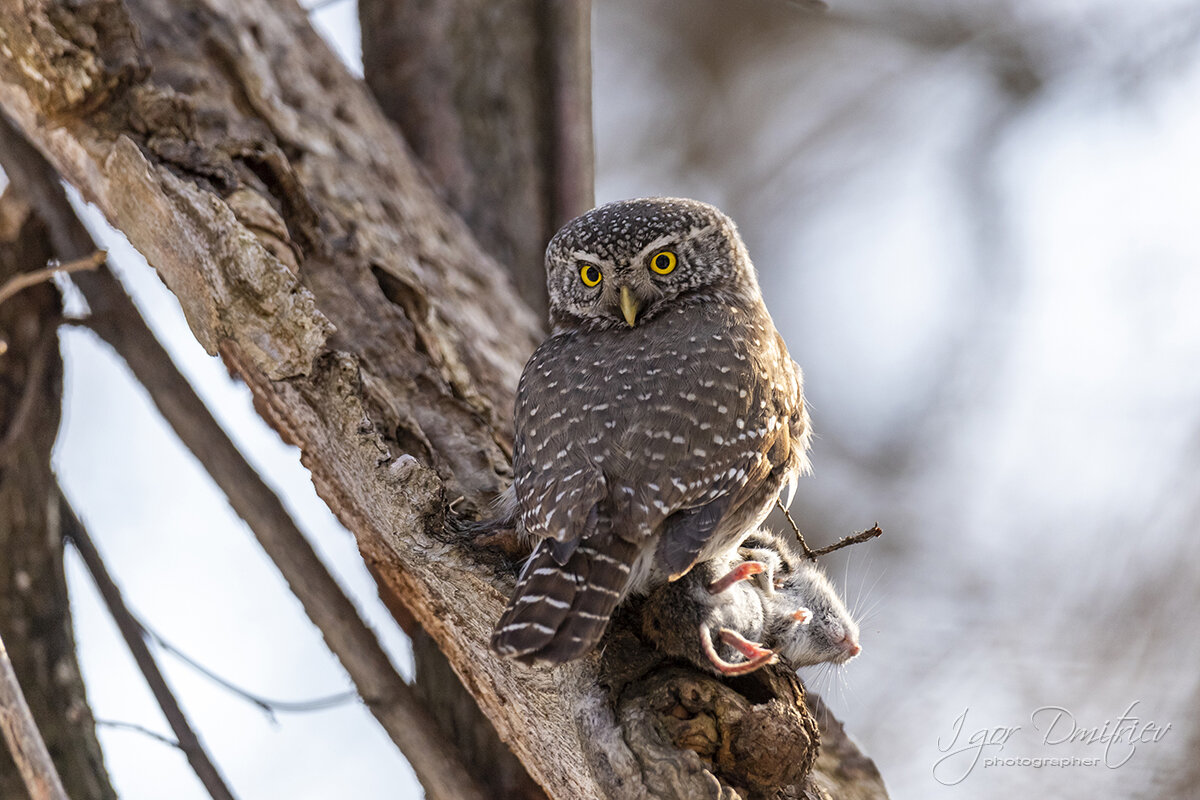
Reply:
x=629, y=305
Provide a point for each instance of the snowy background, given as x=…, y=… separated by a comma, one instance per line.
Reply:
x=977, y=228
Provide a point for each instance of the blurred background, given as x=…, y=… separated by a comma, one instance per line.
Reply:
x=976, y=226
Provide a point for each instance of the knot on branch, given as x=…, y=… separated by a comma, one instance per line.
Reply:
x=751, y=738
x=693, y=735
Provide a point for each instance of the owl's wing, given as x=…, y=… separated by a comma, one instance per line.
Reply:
x=732, y=501
x=746, y=434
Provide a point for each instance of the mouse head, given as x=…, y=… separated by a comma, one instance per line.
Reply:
x=794, y=585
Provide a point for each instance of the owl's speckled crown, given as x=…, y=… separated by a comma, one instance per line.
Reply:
x=626, y=226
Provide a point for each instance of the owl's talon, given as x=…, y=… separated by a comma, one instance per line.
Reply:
x=739, y=573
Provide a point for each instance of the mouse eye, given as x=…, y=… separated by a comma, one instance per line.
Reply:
x=590, y=274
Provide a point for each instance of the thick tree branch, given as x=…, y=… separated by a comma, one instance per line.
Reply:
x=232, y=179
x=504, y=130
x=118, y=322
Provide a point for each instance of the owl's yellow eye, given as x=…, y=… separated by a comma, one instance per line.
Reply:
x=663, y=262
x=590, y=274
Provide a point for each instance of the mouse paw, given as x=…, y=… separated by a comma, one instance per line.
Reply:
x=739, y=573
x=751, y=650
x=802, y=615
x=757, y=655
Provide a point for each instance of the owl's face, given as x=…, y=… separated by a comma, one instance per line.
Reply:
x=622, y=264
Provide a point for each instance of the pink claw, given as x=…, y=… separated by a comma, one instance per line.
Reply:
x=739, y=573
x=758, y=655
x=749, y=649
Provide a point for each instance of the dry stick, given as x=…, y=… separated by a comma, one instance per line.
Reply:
x=132, y=632
x=845, y=541
x=26, y=279
x=24, y=740
x=133, y=727
x=433, y=758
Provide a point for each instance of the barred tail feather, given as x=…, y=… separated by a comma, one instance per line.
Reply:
x=558, y=613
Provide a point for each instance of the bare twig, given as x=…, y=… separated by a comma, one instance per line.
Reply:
x=132, y=632
x=135, y=728
x=27, y=279
x=808, y=553
x=24, y=740
x=845, y=541
x=269, y=706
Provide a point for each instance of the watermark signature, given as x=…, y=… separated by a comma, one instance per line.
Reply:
x=1110, y=744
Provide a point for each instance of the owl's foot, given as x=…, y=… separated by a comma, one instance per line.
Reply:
x=739, y=573
x=757, y=656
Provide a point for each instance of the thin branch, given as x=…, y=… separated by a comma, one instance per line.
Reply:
x=189, y=741
x=268, y=706
x=24, y=740
x=808, y=553
x=845, y=541
x=135, y=728
x=27, y=279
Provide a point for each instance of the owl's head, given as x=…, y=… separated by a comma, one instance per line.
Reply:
x=624, y=263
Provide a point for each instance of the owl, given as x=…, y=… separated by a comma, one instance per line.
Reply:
x=654, y=427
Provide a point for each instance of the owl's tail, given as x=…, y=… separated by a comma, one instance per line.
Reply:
x=559, y=612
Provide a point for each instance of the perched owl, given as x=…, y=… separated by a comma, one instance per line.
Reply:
x=655, y=426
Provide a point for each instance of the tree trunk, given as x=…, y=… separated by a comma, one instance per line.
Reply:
x=35, y=616
x=276, y=201
x=504, y=130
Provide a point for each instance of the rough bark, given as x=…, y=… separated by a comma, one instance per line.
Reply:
x=494, y=99
x=277, y=203
x=116, y=319
x=504, y=132
x=35, y=619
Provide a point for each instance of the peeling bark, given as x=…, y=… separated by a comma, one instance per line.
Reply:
x=279, y=205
